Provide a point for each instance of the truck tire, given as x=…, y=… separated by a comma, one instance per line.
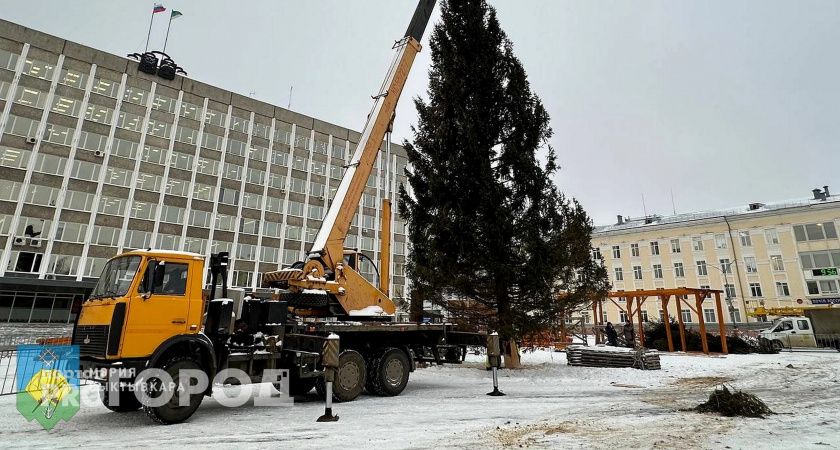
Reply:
x=777, y=345
x=127, y=400
x=389, y=373
x=171, y=412
x=350, y=379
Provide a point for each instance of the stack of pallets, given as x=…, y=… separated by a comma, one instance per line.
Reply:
x=603, y=356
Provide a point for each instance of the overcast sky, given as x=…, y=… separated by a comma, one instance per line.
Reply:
x=723, y=103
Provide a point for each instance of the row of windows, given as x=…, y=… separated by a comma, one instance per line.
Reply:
x=771, y=237
x=725, y=266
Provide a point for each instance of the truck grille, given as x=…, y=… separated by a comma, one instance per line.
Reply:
x=91, y=339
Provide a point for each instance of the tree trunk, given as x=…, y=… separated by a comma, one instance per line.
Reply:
x=415, y=306
x=505, y=321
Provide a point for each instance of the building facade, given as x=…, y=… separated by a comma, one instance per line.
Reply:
x=762, y=255
x=98, y=158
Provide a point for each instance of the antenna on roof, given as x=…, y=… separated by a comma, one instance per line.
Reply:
x=289, y=105
x=644, y=208
x=673, y=205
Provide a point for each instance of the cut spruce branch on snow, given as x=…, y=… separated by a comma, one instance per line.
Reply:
x=734, y=403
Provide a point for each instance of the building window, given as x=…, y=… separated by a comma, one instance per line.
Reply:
x=709, y=315
x=679, y=271
x=654, y=248
x=634, y=249
x=777, y=263
x=622, y=316
x=782, y=289
x=749, y=263
x=675, y=245
x=820, y=259
x=736, y=315
x=755, y=289
x=771, y=236
x=644, y=316
x=828, y=287
x=697, y=243
x=596, y=254
x=702, y=270
x=730, y=290
x=815, y=231
x=619, y=274
x=686, y=315
x=725, y=265
x=708, y=294
x=746, y=240
x=637, y=272
x=657, y=271
x=813, y=288
x=616, y=251
x=720, y=241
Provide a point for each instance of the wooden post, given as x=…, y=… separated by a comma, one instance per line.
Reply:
x=698, y=300
x=596, y=331
x=639, y=302
x=629, y=314
x=680, y=321
x=721, y=324
x=666, y=319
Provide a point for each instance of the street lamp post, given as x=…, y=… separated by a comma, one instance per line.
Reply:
x=726, y=291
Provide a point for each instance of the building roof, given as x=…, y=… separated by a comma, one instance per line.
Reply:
x=637, y=224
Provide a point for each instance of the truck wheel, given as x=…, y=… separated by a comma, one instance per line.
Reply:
x=171, y=412
x=350, y=379
x=389, y=373
x=777, y=345
x=126, y=398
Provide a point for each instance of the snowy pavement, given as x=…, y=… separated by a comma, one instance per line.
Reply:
x=548, y=404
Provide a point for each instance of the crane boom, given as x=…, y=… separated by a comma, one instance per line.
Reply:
x=325, y=268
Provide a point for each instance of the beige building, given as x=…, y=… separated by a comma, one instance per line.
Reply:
x=770, y=255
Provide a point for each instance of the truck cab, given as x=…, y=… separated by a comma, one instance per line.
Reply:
x=787, y=332
x=142, y=299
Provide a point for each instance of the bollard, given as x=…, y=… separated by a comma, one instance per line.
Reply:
x=494, y=356
x=329, y=358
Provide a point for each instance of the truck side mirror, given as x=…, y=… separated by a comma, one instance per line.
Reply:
x=150, y=278
x=160, y=271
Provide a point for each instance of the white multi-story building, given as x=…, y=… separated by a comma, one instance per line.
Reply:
x=98, y=158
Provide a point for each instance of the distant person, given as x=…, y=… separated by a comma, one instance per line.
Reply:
x=612, y=335
x=629, y=334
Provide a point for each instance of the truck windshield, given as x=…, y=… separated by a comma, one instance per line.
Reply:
x=116, y=277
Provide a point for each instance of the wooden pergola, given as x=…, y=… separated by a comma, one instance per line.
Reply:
x=636, y=299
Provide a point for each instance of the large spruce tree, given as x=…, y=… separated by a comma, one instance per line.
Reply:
x=486, y=223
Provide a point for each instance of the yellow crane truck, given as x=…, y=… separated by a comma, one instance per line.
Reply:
x=149, y=308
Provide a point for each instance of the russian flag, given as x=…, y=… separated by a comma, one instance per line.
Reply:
x=158, y=8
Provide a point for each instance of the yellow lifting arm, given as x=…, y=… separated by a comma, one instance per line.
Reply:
x=325, y=268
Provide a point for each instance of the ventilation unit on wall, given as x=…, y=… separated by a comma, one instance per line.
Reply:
x=31, y=140
x=99, y=153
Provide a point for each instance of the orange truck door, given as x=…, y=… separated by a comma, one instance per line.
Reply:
x=164, y=314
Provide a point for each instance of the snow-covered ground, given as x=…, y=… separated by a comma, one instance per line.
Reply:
x=548, y=404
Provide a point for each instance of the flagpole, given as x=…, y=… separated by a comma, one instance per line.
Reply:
x=150, y=30
x=167, y=32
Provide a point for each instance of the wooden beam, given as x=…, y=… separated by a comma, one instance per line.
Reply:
x=640, y=301
x=630, y=315
x=595, y=328
x=698, y=300
x=680, y=321
x=666, y=320
x=721, y=324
